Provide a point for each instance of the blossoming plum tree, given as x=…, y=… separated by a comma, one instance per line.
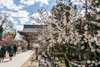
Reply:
x=75, y=36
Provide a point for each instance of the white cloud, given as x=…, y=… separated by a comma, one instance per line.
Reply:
x=12, y=20
x=23, y=20
x=19, y=27
x=72, y=0
x=35, y=23
x=10, y=5
x=18, y=36
x=20, y=14
x=17, y=14
x=31, y=2
x=37, y=15
x=77, y=3
x=81, y=1
x=53, y=4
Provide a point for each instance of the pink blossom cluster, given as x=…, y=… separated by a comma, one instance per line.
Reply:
x=4, y=41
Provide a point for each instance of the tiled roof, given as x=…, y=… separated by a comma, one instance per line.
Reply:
x=31, y=28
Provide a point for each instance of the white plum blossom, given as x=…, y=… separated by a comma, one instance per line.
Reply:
x=67, y=34
x=96, y=64
x=93, y=61
x=99, y=62
x=86, y=27
x=83, y=65
x=82, y=47
x=88, y=61
x=92, y=50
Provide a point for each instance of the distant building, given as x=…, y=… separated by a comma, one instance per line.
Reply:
x=31, y=28
x=29, y=33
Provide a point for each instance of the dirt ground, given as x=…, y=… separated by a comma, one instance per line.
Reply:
x=28, y=63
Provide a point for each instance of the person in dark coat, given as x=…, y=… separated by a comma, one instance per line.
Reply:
x=2, y=53
x=4, y=49
x=15, y=49
x=11, y=52
x=8, y=47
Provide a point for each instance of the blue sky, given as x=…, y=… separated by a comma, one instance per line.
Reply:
x=21, y=10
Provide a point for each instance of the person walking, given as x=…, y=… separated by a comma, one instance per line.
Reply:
x=15, y=49
x=2, y=53
x=11, y=52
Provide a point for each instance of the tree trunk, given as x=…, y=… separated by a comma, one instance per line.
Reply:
x=66, y=63
x=0, y=36
x=36, y=54
x=1, y=30
x=60, y=59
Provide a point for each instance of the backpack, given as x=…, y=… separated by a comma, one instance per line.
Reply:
x=11, y=52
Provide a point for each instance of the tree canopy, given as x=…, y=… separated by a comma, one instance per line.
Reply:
x=75, y=38
x=9, y=34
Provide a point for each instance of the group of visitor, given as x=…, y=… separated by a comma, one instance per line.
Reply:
x=11, y=50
